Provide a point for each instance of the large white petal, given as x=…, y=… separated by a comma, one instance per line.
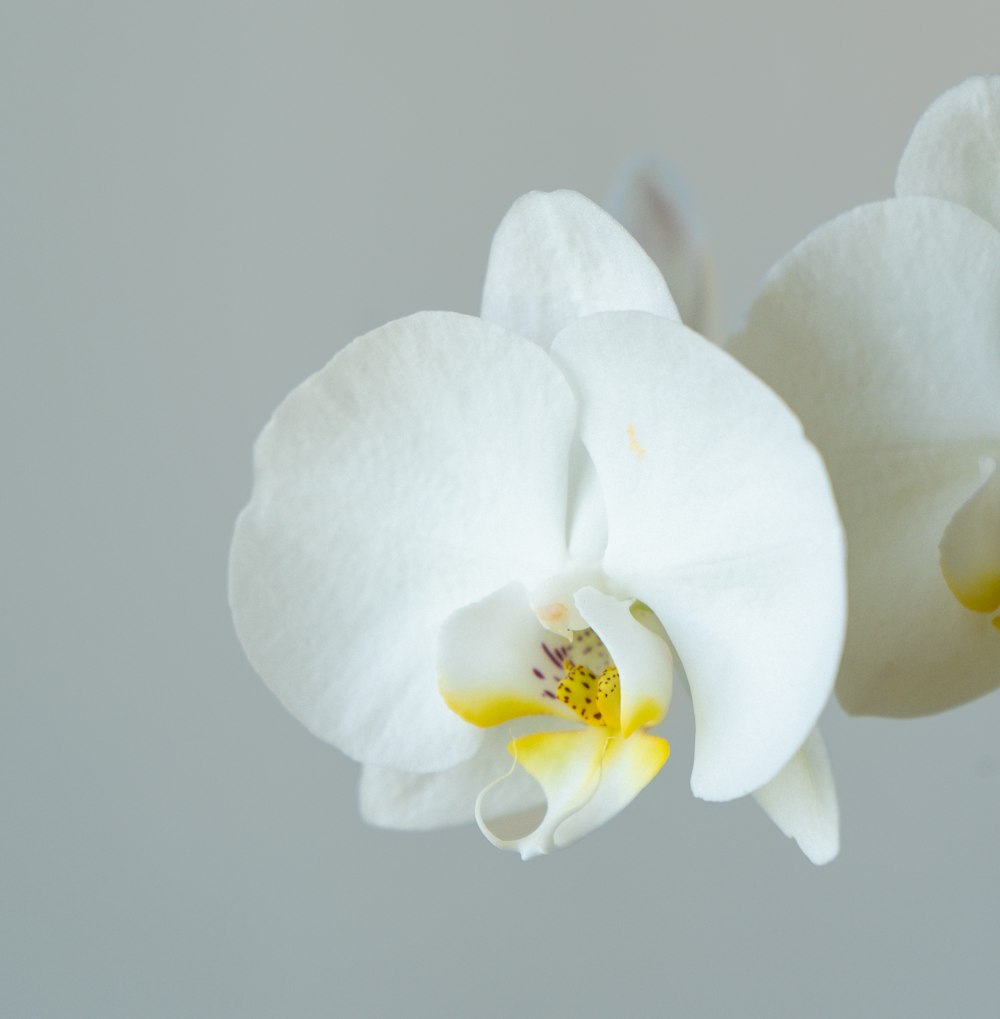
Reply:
x=881, y=328
x=881, y=331
x=911, y=649
x=802, y=801
x=399, y=799
x=721, y=520
x=651, y=204
x=556, y=257
x=424, y=467
x=588, y=777
x=954, y=151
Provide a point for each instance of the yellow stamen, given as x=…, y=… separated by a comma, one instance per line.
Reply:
x=595, y=699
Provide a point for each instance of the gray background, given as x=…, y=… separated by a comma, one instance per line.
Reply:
x=201, y=202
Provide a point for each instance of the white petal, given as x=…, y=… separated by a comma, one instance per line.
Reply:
x=970, y=547
x=587, y=776
x=802, y=801
x=398, y=799
x=644, y=661
x=880, y=329
x=954, y=151
x=911, y=649
x=496, y=661
x=424, y=467
x=652, y=205
x=722, y=521
x=557, y=257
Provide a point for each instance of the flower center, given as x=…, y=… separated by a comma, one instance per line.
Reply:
x=595, y=699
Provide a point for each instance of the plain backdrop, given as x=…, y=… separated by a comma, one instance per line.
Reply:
x=201, y=202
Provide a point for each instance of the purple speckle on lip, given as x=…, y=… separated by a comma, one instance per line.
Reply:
x=552, y=657
x=549, y=693
x=538, y=673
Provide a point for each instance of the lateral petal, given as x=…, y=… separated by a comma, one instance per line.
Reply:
x=954, y=151
x=722, y=521
x=880, y=330
x=556, y=257
x=802, y=801
x=424, y=467
x=587, y=777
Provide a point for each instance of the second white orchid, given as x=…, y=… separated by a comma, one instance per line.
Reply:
x=479, y=549
x=882, y=330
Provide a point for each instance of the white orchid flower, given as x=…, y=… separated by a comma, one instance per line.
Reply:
x=882, y=331
x=475, y=545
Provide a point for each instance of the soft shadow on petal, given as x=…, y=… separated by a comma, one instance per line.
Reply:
x=556, y=257
x=954, y=151
x=722, y=521
x=802, y=801
x=651, y=203
x=424, y=467
x=587, y=777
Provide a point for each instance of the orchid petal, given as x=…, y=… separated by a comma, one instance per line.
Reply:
x=802, y=801
x=424, y=467
x=880, y=330
x=557, y=257
x=954, y=151
x=912, y=648
x=651, y=204
x=970, y=548
x=643, y=659
x=587, y=776
x=721, y=520
x=409, y=802
x=497, y=662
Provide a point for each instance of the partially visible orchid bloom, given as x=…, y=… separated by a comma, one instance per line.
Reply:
x=882, y=331
x=652, y=204
x=478, y=550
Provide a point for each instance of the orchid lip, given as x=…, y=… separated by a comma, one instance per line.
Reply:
x=611, y=680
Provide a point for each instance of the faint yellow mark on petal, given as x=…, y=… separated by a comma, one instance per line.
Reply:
x=996, y=623
x=633, y=443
